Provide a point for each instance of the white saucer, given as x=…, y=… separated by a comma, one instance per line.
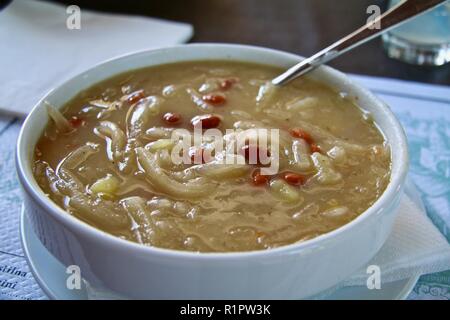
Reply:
x=51, y=276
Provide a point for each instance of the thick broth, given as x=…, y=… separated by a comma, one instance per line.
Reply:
x=94, y=175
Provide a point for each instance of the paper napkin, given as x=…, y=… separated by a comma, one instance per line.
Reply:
x=39, y=51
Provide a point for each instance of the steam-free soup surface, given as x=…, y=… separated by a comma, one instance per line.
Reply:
x=107, y=159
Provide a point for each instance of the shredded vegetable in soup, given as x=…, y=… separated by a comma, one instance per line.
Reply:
x=208, y=156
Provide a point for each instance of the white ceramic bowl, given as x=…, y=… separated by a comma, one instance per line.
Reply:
x=294, y=271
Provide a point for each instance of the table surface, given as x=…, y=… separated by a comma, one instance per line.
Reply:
x=299, y=26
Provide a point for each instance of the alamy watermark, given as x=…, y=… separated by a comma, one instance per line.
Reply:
x=374, y=278
x=73, y=281
x=373, y=21
x=73, y=21
x=235, y=147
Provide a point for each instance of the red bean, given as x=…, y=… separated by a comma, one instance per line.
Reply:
x=76, y=122
x=227, y=83
x=135, y=96
x=258, y=179
x=299, y=133
x=214, y=99
x=172, y=118
x=207, y=121
x=293, y=178
x=314, y=148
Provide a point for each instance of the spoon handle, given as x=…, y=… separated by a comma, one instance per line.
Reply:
x=388, y=20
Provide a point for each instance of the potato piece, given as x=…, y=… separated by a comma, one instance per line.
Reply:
x=284, y=191
x=338, y=154
x=107, y=185
x=161, y=144
x=326, y=173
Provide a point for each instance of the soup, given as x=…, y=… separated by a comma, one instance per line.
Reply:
x=120, y=156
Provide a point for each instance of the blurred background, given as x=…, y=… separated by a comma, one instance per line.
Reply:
x=298, y=26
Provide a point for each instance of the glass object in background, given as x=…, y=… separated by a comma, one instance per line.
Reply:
x=425, y=40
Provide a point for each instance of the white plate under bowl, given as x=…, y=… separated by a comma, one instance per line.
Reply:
x=51, y=276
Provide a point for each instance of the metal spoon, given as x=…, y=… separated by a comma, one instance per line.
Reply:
x=388, y=20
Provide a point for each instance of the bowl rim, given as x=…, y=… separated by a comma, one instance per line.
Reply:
x=78, y=226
